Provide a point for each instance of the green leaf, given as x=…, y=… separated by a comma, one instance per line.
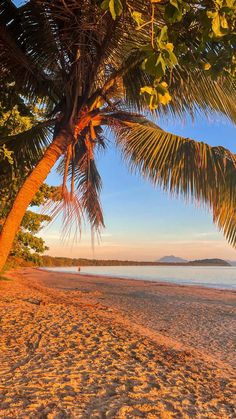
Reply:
x=155, y=65
x=158, y=94
x=149, y=64
x=223, y=22
x=28, y=146
x=147, y=89
x=105, y=4
x=160, y=66
x=137, y=16
x=163, y=94
x=6, y=154
x=173, y=13
x=216, y=25
x=169, y=57
x=116, y=8
x=162, y=36
x=219, y=23
x=175, y=3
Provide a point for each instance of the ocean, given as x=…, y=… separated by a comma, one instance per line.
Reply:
x=207, y=276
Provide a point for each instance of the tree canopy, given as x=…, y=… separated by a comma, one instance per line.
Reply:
x=105, y=65
x=27, y=245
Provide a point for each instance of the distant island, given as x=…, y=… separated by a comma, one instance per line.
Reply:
x=209, y=262
x=65, y=261
x=172, y=259
x=198, y=262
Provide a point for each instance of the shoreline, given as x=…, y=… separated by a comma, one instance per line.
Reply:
x=151, y=281
x=94, y=351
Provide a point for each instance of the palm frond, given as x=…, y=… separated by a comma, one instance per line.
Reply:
x=224, y=208
x=224, y=215
x=194, y=170
x=68, y=53
x=18, y=59
x=28, y=146
x=16, y=66
x=179, y=165
x=89, y=186
x=87, y=183
x=193, y=91
x=62, y=203
x=80, y=174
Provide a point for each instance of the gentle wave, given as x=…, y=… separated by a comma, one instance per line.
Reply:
x=210, y=276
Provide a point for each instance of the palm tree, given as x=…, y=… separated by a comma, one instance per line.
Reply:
x=85, y=68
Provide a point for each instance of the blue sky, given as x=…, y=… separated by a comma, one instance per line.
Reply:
x=142, y=222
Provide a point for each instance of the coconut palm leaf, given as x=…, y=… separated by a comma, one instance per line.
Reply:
x=179, y=165
x=224, y=215
x=224, y=207
x=78, y=60
x=206, y=95
x=188, y=96
x=19, y=63
x=88, y=185
x=83, y=178
x=28, y=146
x=183, y=167
x=16, y=66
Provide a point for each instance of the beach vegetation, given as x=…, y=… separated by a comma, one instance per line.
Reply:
x=27, y=246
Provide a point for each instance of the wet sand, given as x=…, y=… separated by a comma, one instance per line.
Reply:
x=92, y=347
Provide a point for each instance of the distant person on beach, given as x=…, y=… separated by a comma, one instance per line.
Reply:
x=78, y=268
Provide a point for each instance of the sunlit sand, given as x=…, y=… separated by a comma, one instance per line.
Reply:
x=85, y=349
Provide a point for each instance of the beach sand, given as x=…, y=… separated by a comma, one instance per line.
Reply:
x=75, y=346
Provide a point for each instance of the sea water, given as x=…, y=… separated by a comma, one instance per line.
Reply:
x=208, y=276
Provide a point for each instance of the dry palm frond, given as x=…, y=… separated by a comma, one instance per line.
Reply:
x=63, y=203
x=80, y=172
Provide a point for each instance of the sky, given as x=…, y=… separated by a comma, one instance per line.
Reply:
x=143, y=222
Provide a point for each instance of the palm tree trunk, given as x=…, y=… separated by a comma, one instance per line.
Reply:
x=27, y=193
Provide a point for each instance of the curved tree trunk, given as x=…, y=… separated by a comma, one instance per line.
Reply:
x=27, y=193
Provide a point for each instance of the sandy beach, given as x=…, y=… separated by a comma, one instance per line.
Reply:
x=92, y=347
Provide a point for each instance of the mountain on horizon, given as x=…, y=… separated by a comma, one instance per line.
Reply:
x=210, y=262
x=231, y=262
x=172, y=259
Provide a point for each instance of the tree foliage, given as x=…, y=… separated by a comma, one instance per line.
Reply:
x=27, y=245
x=95, y=64
x=187, y=34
